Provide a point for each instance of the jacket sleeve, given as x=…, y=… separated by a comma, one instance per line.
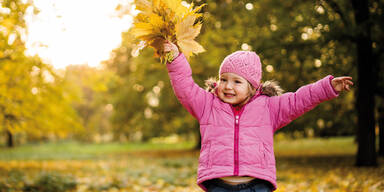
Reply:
x=191, y=96
x=289, y=106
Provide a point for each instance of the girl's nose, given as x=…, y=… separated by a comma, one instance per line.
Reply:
x=228, y=85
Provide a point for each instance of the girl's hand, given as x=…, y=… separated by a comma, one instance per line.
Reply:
x=342, y=83
x=171, y=48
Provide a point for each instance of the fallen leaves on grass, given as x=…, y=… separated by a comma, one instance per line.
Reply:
x=176, y=171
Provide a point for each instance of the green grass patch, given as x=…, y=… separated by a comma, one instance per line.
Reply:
x=77, y=150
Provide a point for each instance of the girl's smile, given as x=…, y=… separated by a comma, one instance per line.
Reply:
x=229, y=95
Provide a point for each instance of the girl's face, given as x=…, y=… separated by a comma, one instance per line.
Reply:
x=234, y=89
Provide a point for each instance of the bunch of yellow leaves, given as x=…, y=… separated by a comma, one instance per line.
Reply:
x=167, y=20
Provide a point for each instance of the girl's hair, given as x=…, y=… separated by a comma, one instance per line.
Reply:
x=269, y=88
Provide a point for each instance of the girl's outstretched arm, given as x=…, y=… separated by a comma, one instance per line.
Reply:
x=289, y=106
x=191, y=96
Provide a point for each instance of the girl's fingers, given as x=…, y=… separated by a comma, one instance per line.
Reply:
x=167, y=47
x=349, y=82
x=346, y=77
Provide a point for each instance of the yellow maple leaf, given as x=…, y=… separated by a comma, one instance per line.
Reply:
x=186, y=32
x=156, y=21
x=141, y=29
x=177, y=7
x=194, y=11
x=141, y=18
x=144, y=6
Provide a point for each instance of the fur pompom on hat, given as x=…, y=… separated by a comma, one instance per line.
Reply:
x=244, y=63
x=269, y=88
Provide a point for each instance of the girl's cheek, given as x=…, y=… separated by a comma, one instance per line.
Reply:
x=219, y=90
x=244, y=90
x=219, y=87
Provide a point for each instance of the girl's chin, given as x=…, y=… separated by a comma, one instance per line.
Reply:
x=229, y=101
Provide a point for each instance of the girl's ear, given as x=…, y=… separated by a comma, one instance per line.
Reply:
x=252, y=90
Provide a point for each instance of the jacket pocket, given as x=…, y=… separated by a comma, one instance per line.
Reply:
x=268, y=155
x=264, y=156
x=204, y=159
x=252, y=154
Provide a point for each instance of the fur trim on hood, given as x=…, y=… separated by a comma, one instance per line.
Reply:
x=269, y=88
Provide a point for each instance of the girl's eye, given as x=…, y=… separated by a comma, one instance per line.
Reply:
x=223, y=80
x=238, y=82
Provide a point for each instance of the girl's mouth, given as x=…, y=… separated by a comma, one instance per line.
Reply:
x=229, y=95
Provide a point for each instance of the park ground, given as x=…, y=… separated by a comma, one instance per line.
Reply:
x=302, y=165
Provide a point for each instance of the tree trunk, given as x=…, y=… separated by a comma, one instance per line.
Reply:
x=366, y=153
x=381, y=128
x=10, y=141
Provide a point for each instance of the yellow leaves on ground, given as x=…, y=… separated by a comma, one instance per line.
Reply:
x=302, y=166
x=161, y=20
x=175, y=171
x=120, y=173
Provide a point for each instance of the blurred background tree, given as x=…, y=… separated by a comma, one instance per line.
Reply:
x=91, y=100
x=32, y=97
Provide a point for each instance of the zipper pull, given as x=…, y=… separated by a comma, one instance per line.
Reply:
x=237, y=119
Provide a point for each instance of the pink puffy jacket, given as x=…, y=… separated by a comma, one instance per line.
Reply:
x=241, y=145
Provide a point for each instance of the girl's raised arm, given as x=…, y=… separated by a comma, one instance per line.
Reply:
x=195, y=99
x=289, y=106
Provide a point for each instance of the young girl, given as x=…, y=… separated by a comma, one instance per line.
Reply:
x=238, y=120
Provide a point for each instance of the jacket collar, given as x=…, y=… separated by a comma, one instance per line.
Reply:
x=234, y=109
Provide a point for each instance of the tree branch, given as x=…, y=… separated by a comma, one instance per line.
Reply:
x=336, y=8
x=5, y=58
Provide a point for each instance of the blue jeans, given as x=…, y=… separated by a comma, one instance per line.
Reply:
x=256, y=185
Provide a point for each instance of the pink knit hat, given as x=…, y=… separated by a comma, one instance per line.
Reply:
x=244, y=63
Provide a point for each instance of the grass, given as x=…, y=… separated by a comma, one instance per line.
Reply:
x=76, y=150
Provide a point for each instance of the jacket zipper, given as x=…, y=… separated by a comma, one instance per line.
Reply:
x=236, y=151
x=236, y=137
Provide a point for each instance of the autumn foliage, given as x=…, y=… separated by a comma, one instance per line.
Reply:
x=161, y=20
